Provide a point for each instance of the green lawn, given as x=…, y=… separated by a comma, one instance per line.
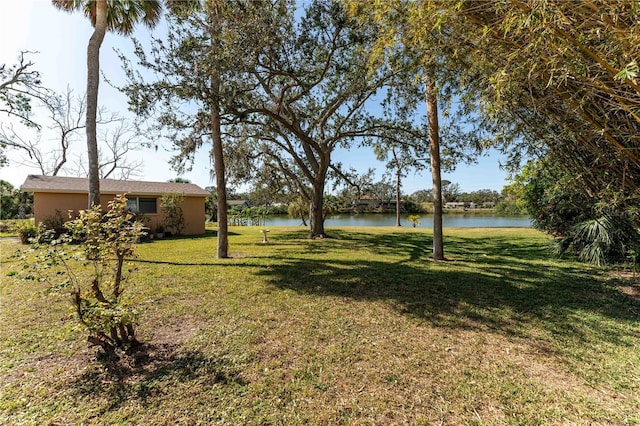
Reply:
x=358, y=329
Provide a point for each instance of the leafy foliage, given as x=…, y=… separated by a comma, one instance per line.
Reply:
x=314, y=95
x=247, y=216
x=509, y=208
x=173, y=213
x=546, y=79
x=299, y=208
x=54, y=223
x=612, y=237
x=595, y=231
x=414, y=219
x=122, y=16
x=553, y=197
x=562, y=76
x=14, y=204
x=201, y=75
x=103, y=242
x=26, y=232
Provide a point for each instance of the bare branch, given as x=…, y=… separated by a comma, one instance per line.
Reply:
x=19, y=85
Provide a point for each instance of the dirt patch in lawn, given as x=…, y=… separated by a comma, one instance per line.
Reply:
x=628, y=283
x=632, y=291
x=157, y=352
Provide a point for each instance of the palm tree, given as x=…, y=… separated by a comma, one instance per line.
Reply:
x=105, y=15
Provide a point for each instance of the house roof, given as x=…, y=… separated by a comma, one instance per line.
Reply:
x=63, y=184
x=236, y=202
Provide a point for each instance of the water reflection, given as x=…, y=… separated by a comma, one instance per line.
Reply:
x=426, y=221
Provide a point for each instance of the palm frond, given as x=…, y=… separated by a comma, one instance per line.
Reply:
x=122, y=15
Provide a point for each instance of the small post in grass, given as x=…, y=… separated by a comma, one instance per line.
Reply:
x=265, y=240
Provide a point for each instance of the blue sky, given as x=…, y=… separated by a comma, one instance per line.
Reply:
x=60, y=40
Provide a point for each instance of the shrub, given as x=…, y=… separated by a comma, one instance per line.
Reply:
x=427, y=207
x=278, y=209
x=104, y=241
x=299, y=208
x=612, y=237
x=54, y=223
x=410, y=206
x=12, y=226
x=173, y=214
x=27, y=232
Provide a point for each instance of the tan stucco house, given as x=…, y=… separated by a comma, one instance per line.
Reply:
x=64, y=194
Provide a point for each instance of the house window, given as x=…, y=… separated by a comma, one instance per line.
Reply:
x=142, y=204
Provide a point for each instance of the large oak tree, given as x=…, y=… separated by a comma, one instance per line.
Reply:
x=315, y=94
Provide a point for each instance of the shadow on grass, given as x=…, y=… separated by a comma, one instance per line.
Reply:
x=497, y=283
x=153, y=371
x=208, y=233
x=169, y=262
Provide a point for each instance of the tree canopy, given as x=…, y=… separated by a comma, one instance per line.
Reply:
x=565, y=74
x=315, y=93
x=544, y=79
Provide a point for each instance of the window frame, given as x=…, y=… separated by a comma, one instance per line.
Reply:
x=133, y=204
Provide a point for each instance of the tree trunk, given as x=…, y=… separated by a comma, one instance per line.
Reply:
x=316, y=216
x=93, y=79
x=398, y=184
x=218, y=167
x=434, y=152
x=117, y=280
x=303, y=218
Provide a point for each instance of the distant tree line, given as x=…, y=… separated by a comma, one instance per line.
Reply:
x=382, y=201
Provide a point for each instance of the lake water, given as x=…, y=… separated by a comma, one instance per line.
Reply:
x=426, y=221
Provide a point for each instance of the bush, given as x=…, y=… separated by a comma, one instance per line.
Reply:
x=427, y=207
x=278, y=209
x=12, y=226
x=612, y=237
x=596, y=226
x=173, y=214
x=55, y=224
x=410, y=206
x=27, y=232
x=104, y=241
